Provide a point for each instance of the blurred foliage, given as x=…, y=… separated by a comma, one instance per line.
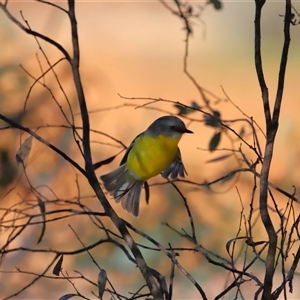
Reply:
x=214, y=142
x=186, y=110
x=13, y=84
x=8, y=169
x=217, y=4
x=213, y=120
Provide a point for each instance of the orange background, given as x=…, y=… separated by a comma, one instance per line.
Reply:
x=136, y=49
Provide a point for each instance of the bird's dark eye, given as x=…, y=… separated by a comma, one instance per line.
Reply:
x=172, y=127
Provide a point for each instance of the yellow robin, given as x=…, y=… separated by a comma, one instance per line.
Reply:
x=152, y=152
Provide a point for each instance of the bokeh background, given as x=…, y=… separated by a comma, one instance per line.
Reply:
x=135, y=49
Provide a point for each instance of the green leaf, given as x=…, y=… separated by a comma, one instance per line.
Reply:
x=206, y=185
x=242, y=132
x=216, y=3
x=67, y=296
x=229, y=176
x=214, y=142
x=195, y=105
x=185, y=110
x=219, y=158
x=213, y=120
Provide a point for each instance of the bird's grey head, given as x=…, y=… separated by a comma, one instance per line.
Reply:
x=170, y=126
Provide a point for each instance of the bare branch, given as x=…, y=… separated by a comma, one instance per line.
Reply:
x=258, y=61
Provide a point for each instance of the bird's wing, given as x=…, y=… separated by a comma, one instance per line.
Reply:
x=124, y=159
x=175, y=169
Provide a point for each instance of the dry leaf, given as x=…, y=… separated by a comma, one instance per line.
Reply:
x=102, y=278
x=24, y=150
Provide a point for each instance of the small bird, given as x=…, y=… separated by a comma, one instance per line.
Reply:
x=152, y=152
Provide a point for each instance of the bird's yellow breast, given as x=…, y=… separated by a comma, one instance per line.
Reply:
x=150, y=156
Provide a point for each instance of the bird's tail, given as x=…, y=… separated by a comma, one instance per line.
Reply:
x=114, y=180
x=117, y=184
x=131, y=201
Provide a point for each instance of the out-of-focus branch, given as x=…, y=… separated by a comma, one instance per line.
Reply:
x=39, y=138
x=54, y=5
x=3, y=7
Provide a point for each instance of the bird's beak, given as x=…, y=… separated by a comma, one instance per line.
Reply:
x=188, y=131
